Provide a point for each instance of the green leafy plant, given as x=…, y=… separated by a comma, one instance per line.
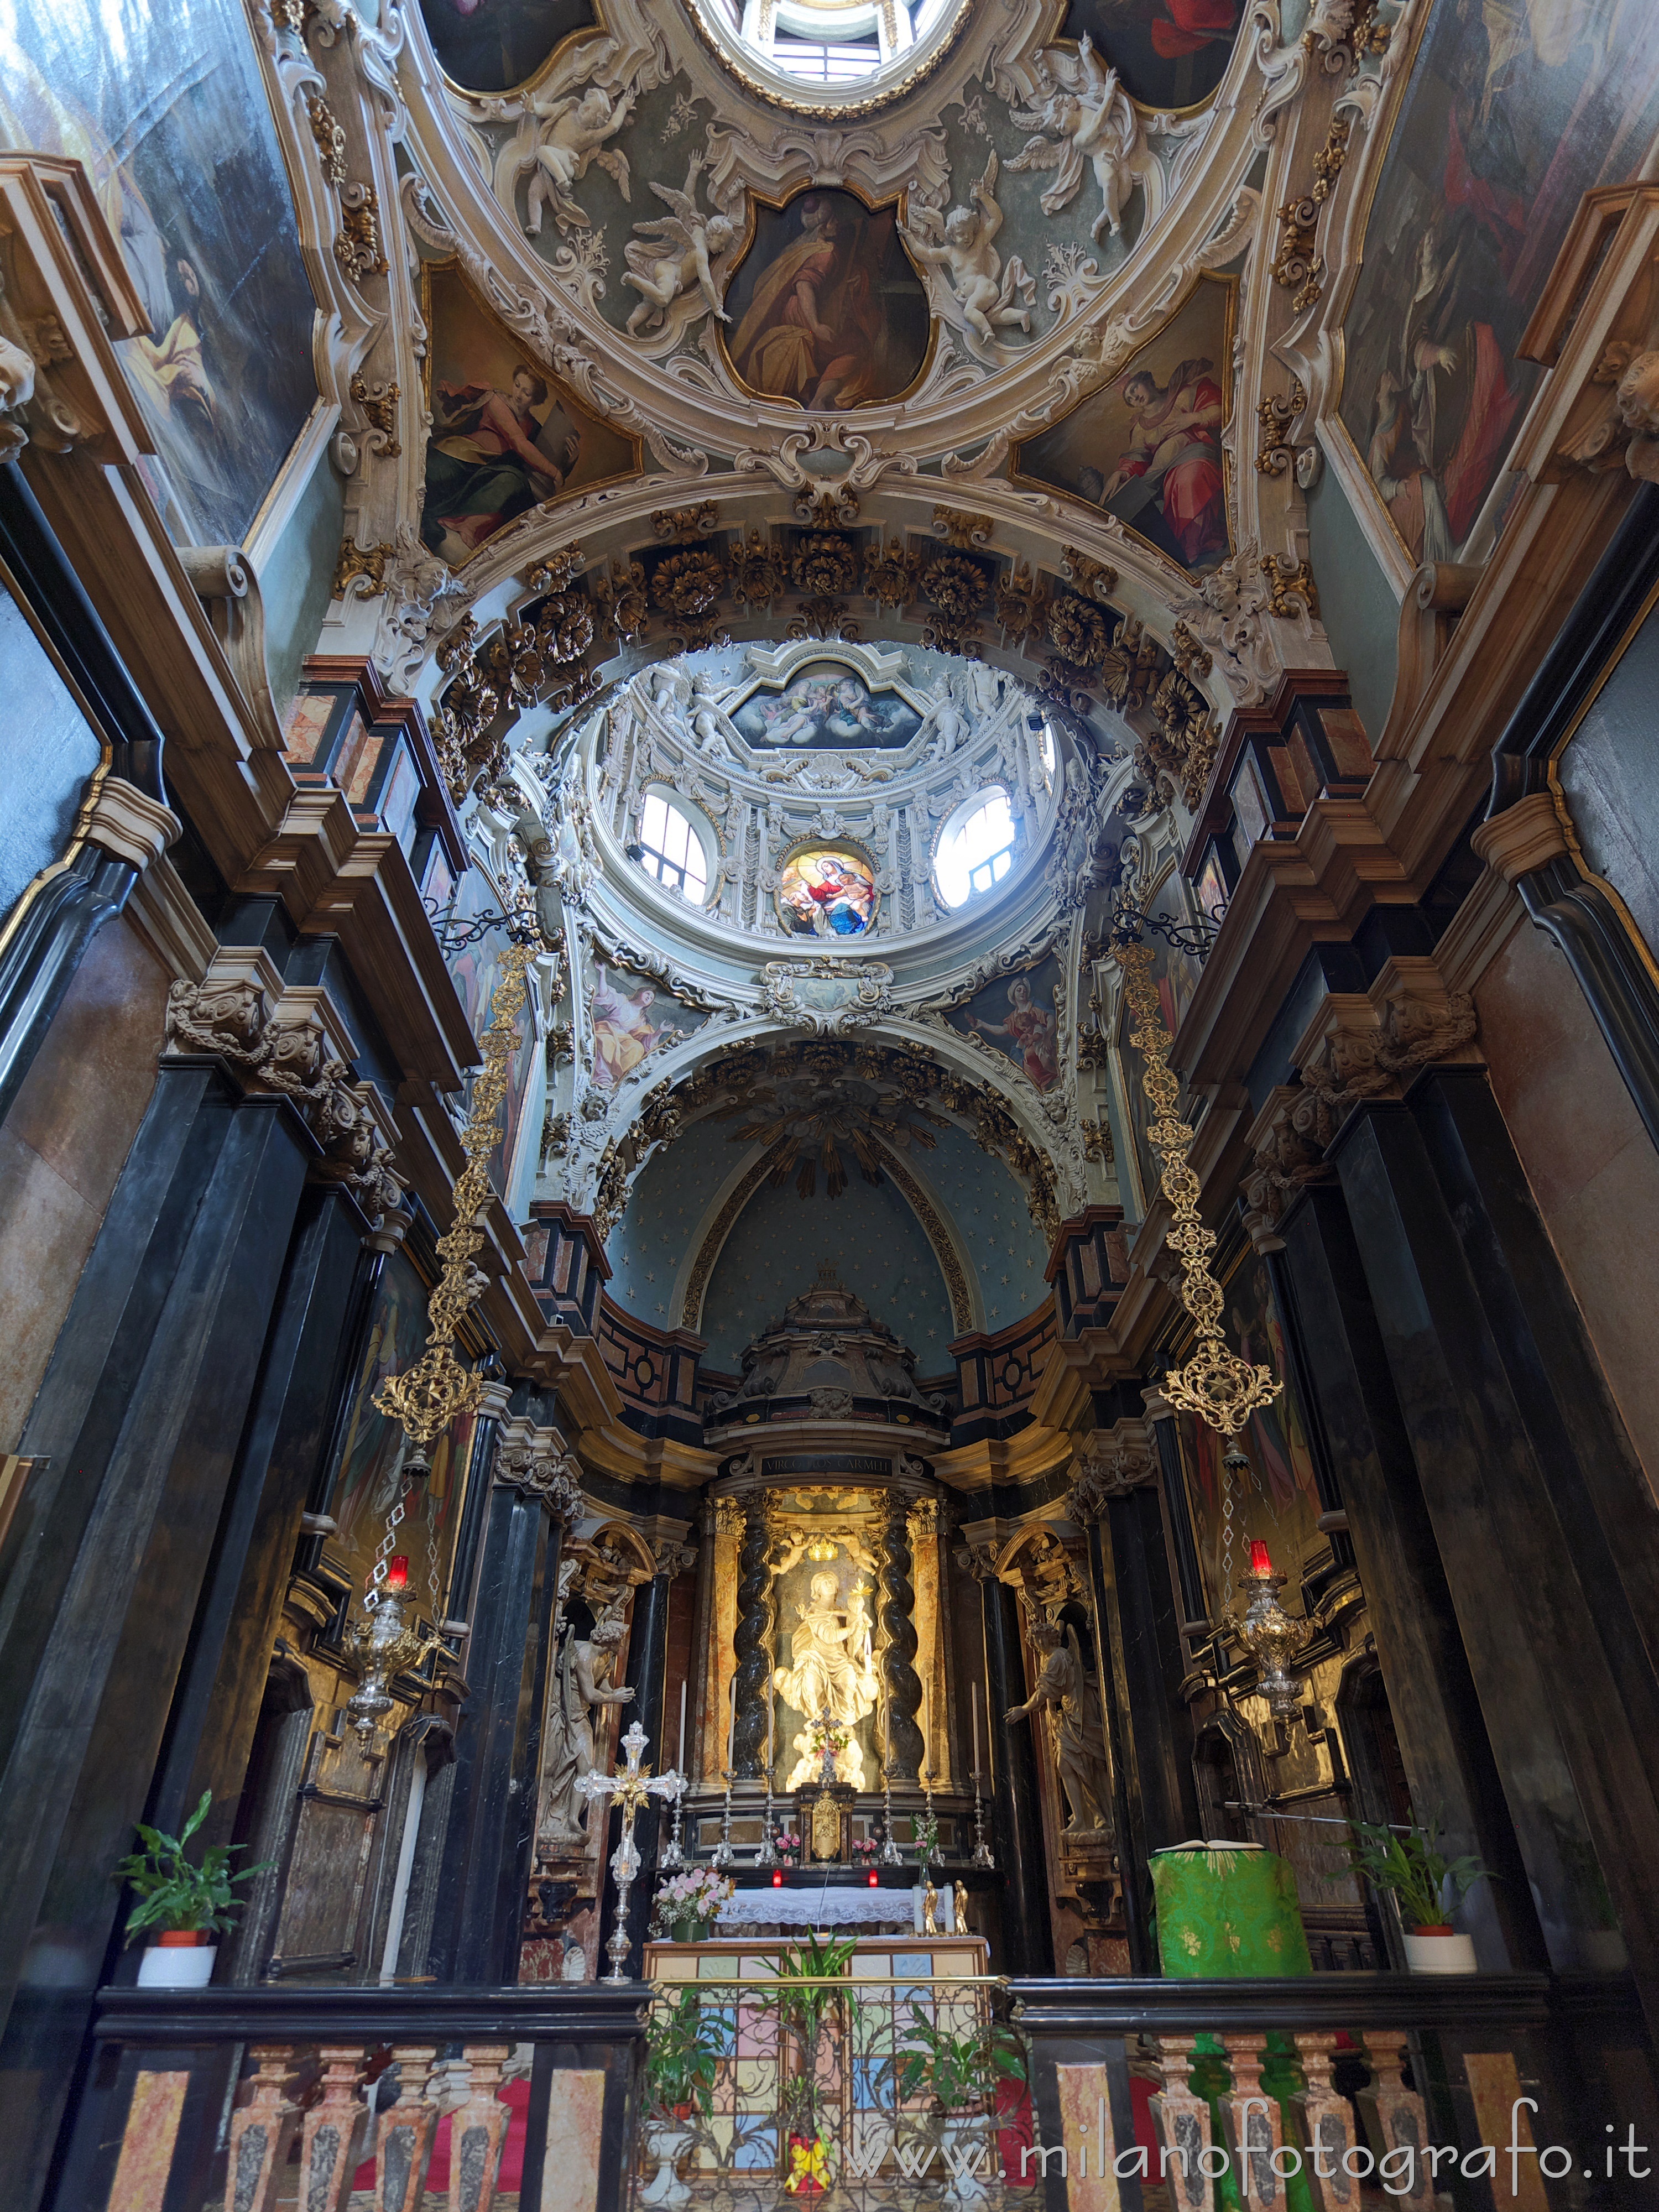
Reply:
x=1409, y=1864
x=961, y=2070
x=808, y=1976
x=174, y=1894
x=684, y=2045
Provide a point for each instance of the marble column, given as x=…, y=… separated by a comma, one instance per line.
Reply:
x=752, y=1643
x=1027, y=1931
x=1533, y=1491
x=647, y=1651
x=486, y=1863
x=905, y=1746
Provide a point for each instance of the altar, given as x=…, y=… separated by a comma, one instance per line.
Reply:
x=832, y=1905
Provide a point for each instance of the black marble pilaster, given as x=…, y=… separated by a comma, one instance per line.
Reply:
x=1558, y=1662
x=751, y=1644
x=1194, y=1604
x=484, y=1879
x=216, y=1708
x=902, y=1685
x=1432, y=1698
x=648, y=1653
x=1018, y=1835
x=1153, y=1753
x=143, y=1405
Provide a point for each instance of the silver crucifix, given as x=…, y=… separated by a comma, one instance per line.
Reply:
x=631, y=1788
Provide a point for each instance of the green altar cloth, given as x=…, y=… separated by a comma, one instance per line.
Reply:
x=1224, y=1912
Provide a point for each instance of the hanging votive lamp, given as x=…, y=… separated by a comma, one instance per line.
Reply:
x=1271, y=1635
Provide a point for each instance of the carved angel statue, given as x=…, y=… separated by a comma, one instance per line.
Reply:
x=946, y=720
x=1077, y=1732
x=582, y=1681
x=985, y=292
x=1090, y=119
x=690, y=243
x=570, y=134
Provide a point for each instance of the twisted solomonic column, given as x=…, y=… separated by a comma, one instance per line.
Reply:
x=905, y=1745
x=753, y=1644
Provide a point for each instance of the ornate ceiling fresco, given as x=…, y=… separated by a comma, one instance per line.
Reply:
x=827, y=456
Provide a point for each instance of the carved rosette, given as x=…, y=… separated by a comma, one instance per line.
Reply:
x=753, y=1644
x=905, y=1745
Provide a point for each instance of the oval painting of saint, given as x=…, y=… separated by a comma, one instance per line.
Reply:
x=826, y=307
x=490, y=45
x=828, y=891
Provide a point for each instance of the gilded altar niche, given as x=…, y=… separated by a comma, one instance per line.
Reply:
x=824, y=1641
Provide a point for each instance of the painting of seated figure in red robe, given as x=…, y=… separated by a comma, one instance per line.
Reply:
x=1170, y=53
x=1147, y=448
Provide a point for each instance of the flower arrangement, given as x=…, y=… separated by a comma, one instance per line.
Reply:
x=787, y=1844
x=865, y=1849
x=926, y=1834
x=698, y=1894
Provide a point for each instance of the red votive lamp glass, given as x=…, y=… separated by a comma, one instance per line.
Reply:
x=1260, y=1563
x=397, y=1573
x=875, y=1879
x=777, y=1878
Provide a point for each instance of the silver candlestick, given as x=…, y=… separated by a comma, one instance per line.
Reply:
x=767, y=1856
x=721, y=1856
x=890, y=1854
x=982, y=1850
x=673, y=1857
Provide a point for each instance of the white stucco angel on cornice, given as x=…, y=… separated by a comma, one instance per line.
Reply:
x=1086, y=116
x=688, y=244
x=980, y=294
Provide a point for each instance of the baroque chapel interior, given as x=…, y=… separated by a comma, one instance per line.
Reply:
x=1007, y=1557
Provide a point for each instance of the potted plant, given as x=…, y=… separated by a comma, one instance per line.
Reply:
x=684, y=2045
x=686, y=1906
x=808, y=1974
x=1408, y=1862
x=186, y=1905
x=962, y=2072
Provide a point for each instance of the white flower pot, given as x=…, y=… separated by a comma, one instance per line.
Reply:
x=965, y=2158
x=176, y=1966
x=666, y=2143
x=1450, y=1954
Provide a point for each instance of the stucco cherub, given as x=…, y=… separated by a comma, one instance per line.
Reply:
x=571, y=132
x=691, y=241
x=988, y=295
x=1091, y=120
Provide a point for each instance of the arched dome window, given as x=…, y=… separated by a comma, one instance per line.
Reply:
x=670, y=849
x=819, y=54
x=976, y=847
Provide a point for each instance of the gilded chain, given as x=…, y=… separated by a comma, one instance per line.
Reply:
x=1215, y=1383
x=437, y=1388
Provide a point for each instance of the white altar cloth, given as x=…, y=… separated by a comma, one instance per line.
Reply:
x=840, y=1905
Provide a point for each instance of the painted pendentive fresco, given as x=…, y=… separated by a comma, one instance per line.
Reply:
x=1510, y=115
x=369, y=1478
x=506, y=435
x=1170, y=53
x=1147, y=446
x=174, y=127
x=489, y=46
x=631, y=1020
x=828, y=891
x=826, y=707
x=1278, y=1499
x=826, y=307
x=1016, y=1014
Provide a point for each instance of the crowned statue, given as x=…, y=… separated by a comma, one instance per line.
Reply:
x=831, y=1677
